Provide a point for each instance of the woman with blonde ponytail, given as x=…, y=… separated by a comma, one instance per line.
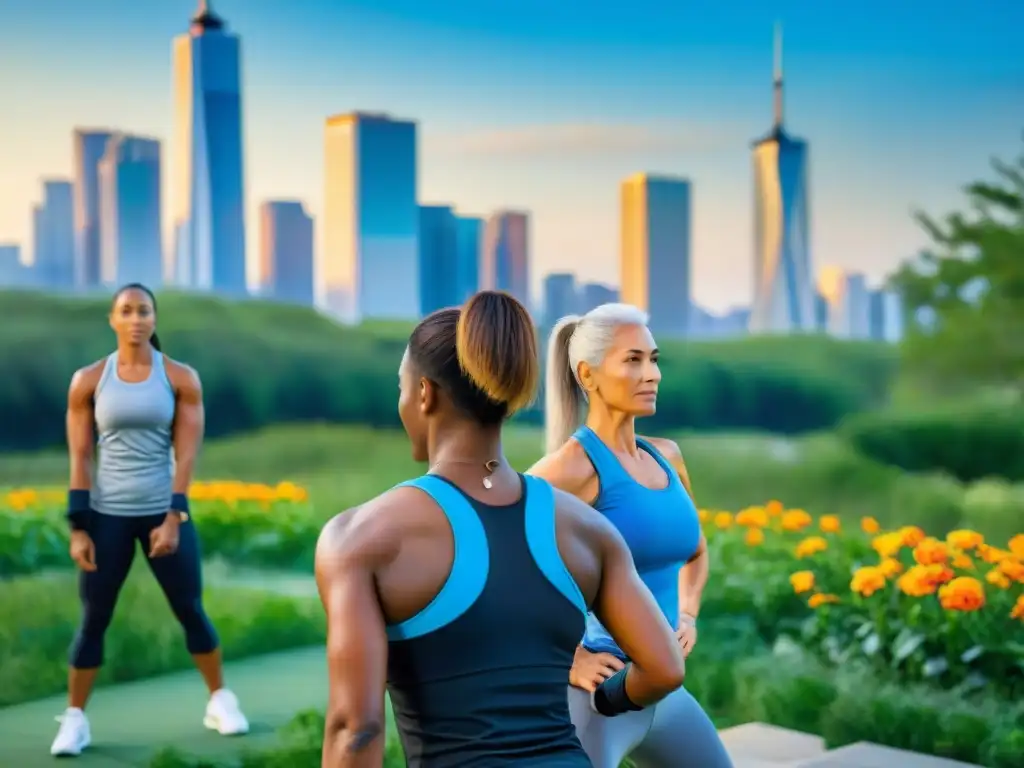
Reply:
x=465, y=591
x=606, y=364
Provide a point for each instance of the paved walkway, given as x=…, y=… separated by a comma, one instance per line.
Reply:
x=132, y=721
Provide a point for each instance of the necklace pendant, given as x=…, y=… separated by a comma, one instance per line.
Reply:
x=488, y=483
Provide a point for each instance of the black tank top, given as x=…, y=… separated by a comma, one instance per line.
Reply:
x=479, y=677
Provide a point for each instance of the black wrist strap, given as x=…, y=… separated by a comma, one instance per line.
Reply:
x=611, y=699
x=79, y=509
x=179, y=502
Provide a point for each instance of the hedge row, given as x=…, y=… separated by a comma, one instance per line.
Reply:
x=263, y=363
x=969, y=441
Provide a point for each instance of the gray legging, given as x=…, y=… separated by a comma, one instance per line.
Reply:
x=674, y=733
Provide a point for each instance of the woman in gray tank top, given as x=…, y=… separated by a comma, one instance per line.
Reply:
x=144, y=414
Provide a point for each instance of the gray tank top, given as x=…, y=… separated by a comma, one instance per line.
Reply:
x=133, y=421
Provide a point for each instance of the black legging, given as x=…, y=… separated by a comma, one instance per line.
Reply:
x=179, y=575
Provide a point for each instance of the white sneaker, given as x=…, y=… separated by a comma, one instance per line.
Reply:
x=224, y=715
x=73, y=735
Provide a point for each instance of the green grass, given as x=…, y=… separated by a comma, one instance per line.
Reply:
x=343, y=466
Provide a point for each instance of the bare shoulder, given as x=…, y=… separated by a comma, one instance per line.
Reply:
x=84, y=382
x=585, y=521
x=182, y=377
x=567, y=469
x=370, y=533
x=674, y=456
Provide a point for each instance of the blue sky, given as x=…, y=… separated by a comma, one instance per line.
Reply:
x=548, y=105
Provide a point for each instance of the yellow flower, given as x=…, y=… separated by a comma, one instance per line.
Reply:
x=962, y=594
x=1017, y=545
x=829, y=524
x=867, y=580
x=811, y=546
x=963, y=562
x=992, y=554
x=820, y=599
x=997, y=578
x=923, y=580
x=723, y=520
x=1013, y=569
x=752, y=517
x=964, y=540
x=802, y=581
x=754, y=537
x=931, y=551
x=774, y=508
x=890, y=567
x=912, y=535
x=795, y=520
x=1018, y=609
x=888, y=544
x=704, y=515
x=869, y=525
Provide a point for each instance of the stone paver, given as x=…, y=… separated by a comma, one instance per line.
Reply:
x=866, y=755
x=770, y=745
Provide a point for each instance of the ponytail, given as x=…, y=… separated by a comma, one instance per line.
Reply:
x=154, y=342
x=496, y=347
x=563, y=398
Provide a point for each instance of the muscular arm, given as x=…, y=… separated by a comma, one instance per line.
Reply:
x=629, y=612
x=189, y=422
x=694, y=575
x=80, y=428
x=347, y=554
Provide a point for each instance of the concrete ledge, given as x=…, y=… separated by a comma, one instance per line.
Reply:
x=864, y=754
x=757, y=744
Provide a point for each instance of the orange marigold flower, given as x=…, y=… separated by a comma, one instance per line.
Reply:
x=890, y=567
x=821, y=598
x=888, y=544
x=867, y=580
x=752, y=517
x=774, y=508
x=997, y=578
x=811, y=546
x=912, y=535
x=964, y=540
x=795, y=520
x=923, y=580
x=931, y=551
x=962, y=594
x=829, y=524
x=723, y=520
x=992, y=554
x=869, y=525
x=1013, y=569
x=703, y=515
x=802, y=581
x=1018, y=609
x=754, y=537
x=1017, y=545
x=963, y=562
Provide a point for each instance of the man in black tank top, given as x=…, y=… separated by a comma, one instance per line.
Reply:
x=464, y=591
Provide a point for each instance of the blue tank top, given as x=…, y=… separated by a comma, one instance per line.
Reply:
x=135, y=465
x=661, y=528
x=478, y=677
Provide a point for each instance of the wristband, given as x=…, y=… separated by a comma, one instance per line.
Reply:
x=610, y=697
x=79, y=509
x=179, y=503
x=687, y=619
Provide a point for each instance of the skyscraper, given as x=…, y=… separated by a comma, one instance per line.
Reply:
x=89, y=147
x=53, y=229
x=655, y=252
x=13, y=273
x=209, y=200
x=848, y=301
x=470, y=232
x=783, y=299
x=594, y=295
x=438, y=259
x=130, y=225
x=286, y=252
x=369, y=264
x=560, y=297
x=505, y=265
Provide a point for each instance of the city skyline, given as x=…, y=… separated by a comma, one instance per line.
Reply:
x=878, y=102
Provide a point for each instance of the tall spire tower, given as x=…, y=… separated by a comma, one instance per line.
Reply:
x=784, y=298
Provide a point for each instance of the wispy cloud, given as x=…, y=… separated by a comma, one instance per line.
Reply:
x=588, y=138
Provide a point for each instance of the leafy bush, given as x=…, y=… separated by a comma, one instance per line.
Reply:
x=970, y=442
x=264, y=363
x=913, y=608
x=41, y=614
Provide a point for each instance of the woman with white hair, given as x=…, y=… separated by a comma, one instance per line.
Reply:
x=606, y=362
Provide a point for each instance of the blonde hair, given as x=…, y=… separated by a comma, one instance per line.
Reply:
x=576, y=340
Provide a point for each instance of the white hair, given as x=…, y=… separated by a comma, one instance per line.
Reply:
x=576, y=340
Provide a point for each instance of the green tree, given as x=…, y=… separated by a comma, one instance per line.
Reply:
x=967, y=291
